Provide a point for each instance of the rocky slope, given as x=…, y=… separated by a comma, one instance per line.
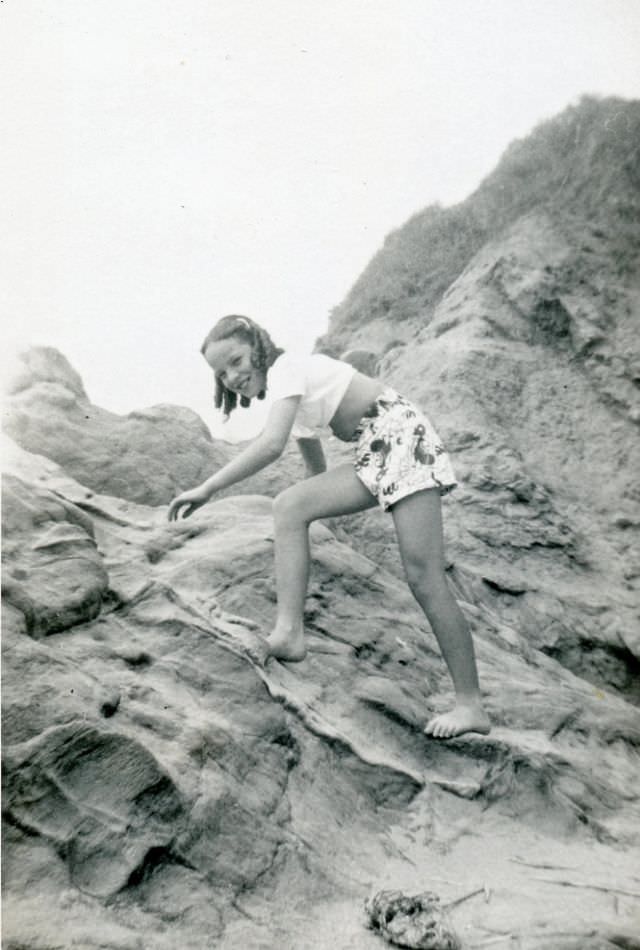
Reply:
x=512, y=318
x=161, y=790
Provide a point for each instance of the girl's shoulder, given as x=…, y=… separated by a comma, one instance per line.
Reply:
x=295, y=365
x=287, y=362
x=299, y=360
x=287, y=375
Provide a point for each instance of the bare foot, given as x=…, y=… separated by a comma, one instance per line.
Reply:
x=466, y=717
x=289, y=646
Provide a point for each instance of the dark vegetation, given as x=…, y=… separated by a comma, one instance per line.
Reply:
x=554, y=168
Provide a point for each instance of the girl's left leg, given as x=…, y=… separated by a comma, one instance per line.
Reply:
x=418, y=523
x=333, y=493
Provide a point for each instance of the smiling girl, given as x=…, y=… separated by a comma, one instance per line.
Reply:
x=399, y=463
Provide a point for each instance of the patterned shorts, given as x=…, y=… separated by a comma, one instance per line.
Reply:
x=399, y=452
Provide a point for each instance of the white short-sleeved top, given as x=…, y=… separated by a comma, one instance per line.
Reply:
x=320, y=380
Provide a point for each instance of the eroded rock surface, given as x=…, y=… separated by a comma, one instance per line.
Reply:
x=512, y=319
x=163, y=790
x=54, y=573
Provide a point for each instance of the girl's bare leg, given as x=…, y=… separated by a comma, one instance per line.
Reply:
x=333, y=493
x=418, y=523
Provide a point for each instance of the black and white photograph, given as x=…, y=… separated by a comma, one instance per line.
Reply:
x=320, y=455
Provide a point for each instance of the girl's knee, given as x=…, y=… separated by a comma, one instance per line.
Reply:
x=424, y=578
x=288, y=507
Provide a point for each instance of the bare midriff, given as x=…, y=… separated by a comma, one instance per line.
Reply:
x=361, y=393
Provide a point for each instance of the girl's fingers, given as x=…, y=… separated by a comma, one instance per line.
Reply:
x=174, y=509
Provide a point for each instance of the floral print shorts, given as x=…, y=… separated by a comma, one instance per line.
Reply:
x=399, y=452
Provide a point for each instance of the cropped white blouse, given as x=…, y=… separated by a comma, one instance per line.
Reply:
x=320, y=380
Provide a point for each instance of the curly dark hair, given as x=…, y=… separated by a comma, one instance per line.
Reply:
x=264, y=354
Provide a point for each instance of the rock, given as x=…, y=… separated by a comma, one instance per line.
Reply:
x=524, y=355
x=152, y=767
x=42, y=366
x=98, y=798
x=53, y=573
x=147, y=754
x=146, y=456
x=363, y=360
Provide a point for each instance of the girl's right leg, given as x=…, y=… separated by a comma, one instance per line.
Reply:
x=418, y=523
x=333, y=493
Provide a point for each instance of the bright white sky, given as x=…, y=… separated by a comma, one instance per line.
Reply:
x=170, y=162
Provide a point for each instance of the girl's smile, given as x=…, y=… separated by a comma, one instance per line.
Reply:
x=231, y=361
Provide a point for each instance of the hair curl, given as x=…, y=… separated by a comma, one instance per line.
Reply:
x=264, y=353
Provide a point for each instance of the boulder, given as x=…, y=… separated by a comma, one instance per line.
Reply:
x=146, y=456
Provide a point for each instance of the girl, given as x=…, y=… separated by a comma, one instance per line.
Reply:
x=399, y=463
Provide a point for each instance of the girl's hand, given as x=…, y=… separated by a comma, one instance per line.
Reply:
x=190, y=501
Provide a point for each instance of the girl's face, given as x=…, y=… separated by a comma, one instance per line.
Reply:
x=230, y=360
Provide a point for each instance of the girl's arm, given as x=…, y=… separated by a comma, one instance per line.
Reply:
x=312, y=456
x=264, y=449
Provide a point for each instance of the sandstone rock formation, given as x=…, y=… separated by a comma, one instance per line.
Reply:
x=145, y=456
x=512, y=319
x=161, y=790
